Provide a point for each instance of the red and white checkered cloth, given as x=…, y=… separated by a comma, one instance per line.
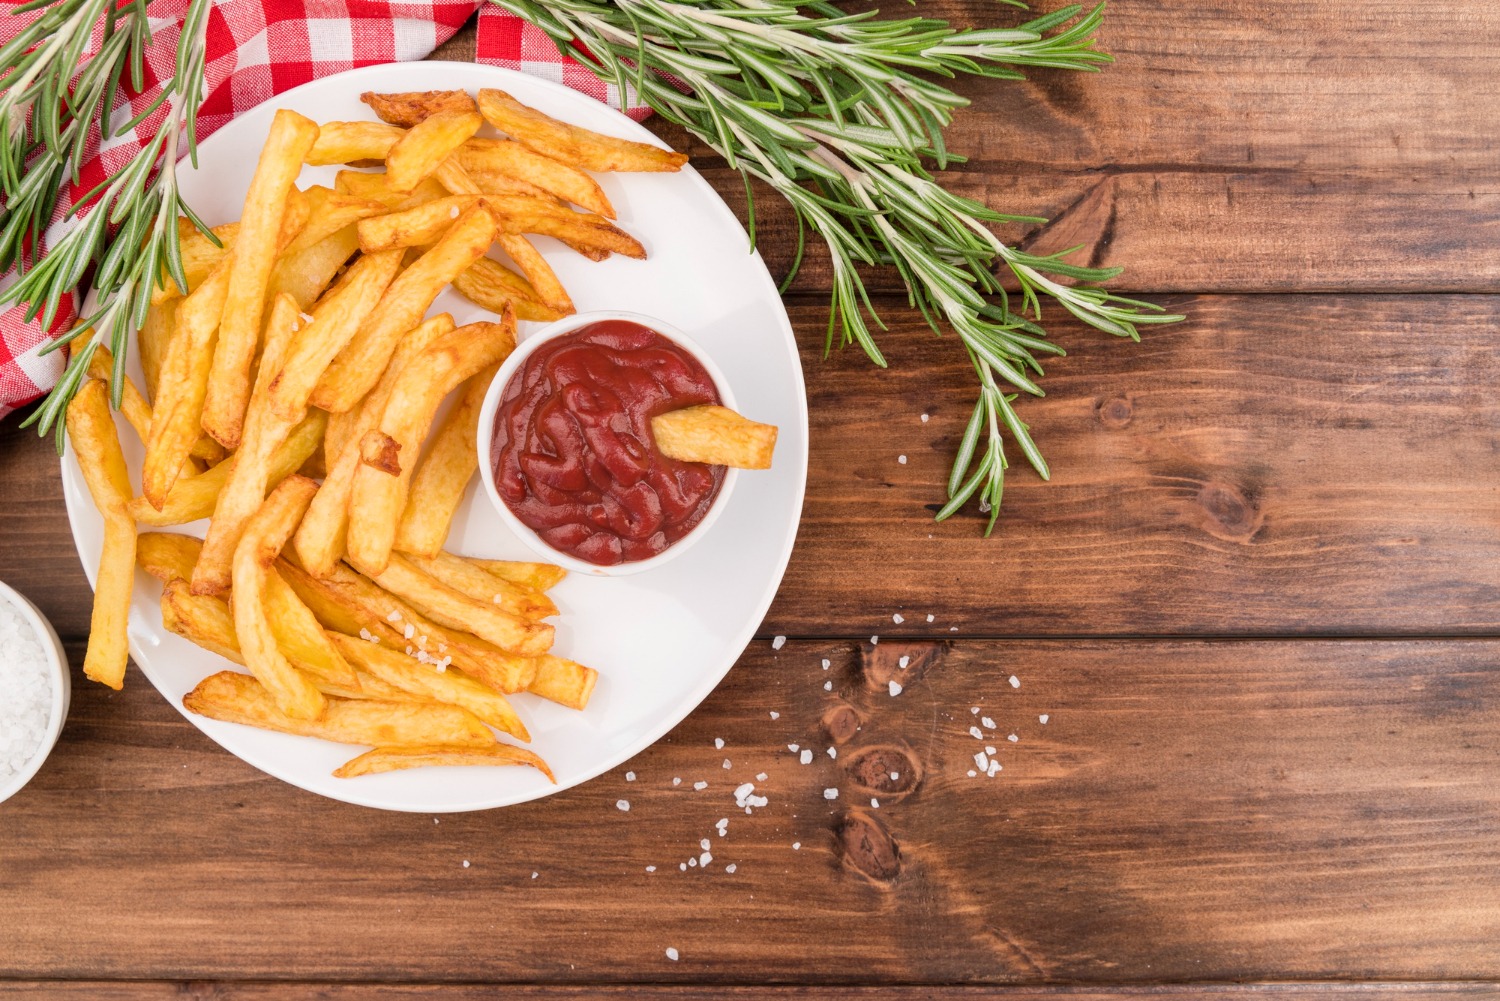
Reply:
x=256, y=49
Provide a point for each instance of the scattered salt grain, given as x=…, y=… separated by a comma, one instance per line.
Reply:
x=827, y=686
x=775, y=714
x=305, y=317
x=874, y=640
x=672, y=955
x=925, y=418
x=976, y=733
x=895, y=776
x=901, y=459
x=989, y=724
x=995, y=766
x=806, y=756
x=535, y=875
x=982, y=760
x=365, y=634
x=761, y=777
x=650, y=868
x=1012, y=738
x=796, y=846
x=974, y=710
x=722, y=825
x=395, y=616
x=719, y=743
x=27, y=701
x=830, y=794
x=630, y=776
x=988, y=749
x=895, y=688
x=930, y=618
x=700, y=786
x=1015, y=682
x=833, y=752
x=1043, y=718
x=623, y=805
x=903, y=662
x=874, y=804
x=704, y=844
x=726, y=764
x=466, y=863
x=972, y=773
x=826, y=663
x=730, y=867
x=705, y=859
x=677, y=780
x=778, y=643
x=692, y=863
x=453, y=212
x=898, y=618
x=434, y=820
x=682, y=866
x=794, y=748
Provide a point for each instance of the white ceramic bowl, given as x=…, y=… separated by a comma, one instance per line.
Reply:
x=62, y=687
x=513, y=365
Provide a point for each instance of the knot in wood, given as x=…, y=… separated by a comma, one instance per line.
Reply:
x=903, y=663
x=1232, y=515
x=841, y=723
x=883, y=770
x=867, y=847
x=1115, y=413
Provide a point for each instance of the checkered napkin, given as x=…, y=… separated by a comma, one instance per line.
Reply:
x=258, y=48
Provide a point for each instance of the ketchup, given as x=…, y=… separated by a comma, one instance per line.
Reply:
x=572, y=449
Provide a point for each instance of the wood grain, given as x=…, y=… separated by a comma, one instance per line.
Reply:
x=1190, y=812
x=1277, y=465
x=113, y=990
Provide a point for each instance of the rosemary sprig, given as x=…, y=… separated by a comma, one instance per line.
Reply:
x=829, y=109
x=51, y=107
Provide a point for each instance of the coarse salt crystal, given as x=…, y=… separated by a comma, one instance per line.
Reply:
x=901, y=459
x=395, y=616
x=26, y=703
x=976, y=733
x=676, y=780
x=874, y=804
x=305, y=317
x=930, y=618
x=988, y=749
x=705, y=859
x=895, y=776
x=895, y=688
x=724, y=822
x=874, y=640
x=826, y=663
x=974, y=710
x=830, y=794
x=535, y=875
x=1012, y=738
x=453, y=212
x=623, y=805
x=682, y=866
x=903, y=662
x=796, y=846
x=730, y=867
x=1043, y=718
x=672, y=955
x=466, y=863
x=995, y=766
x=778, y=643
x=365, y=634
x=692, y=863
x=827, y=686
x=833, y=752
x=1015, y=682
x=630, y=776
x=898, y=618
x=650, y=868
x=775, y=714
x=989, y=724
x=982, y=760
x=700, y=786
x=925, y=418
x=704, y=844
x=719, y=743
x=761, y=777
x=743, y=789
x=794, y=748
x=972, y=773
x=806, y=756
x=726, y=764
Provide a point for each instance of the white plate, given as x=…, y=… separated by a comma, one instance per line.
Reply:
x=661, y=640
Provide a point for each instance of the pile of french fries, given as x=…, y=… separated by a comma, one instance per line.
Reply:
x=291, y=392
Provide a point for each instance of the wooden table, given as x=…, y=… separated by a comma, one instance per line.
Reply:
x=1253, y=618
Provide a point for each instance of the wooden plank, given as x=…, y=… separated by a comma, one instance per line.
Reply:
x=1191, y=811
x=114, y=990
x=1303, y=465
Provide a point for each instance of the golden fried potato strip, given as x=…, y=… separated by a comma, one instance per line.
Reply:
x=569, y=143
x=389, y=759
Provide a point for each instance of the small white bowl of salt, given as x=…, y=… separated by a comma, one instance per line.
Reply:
x=34, y=690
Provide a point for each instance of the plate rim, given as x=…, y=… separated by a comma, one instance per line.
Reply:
x=73, y=498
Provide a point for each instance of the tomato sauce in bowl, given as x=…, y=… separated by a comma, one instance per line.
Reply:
x=571, y=447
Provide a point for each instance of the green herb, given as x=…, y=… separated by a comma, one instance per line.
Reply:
x=837, y=113
x=129, y=237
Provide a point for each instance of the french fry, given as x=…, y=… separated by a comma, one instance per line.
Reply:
x=359, y=366
x=414, y=227
x=347, y=602
x=450, y=607
x=329, y=212
x=253, y=259
x=569, y=143
x=334, y=322
x=319, y=541
x=390, y=759
x=305, y=275
x=264, y=535
x=133, y=406
x=194, y=497
x=589, y=234
x=151, y=342
x=200, y=256
x=443, y=473
x=378, y=498
x=461, y=575
x=508, y=158
x=426, y=145
x=207, y=621
x=167, y=556
x=407, y=109
x=240, y=698
x=185, y=375
x=373, y=187
x=537, y=576
x=299, y=635
x=264, y=432
x=715, y=435
x=564, y=682
x=91, y=430
x=490, y=284
x=492, y=183
x=346, y=142
x=450, y=687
